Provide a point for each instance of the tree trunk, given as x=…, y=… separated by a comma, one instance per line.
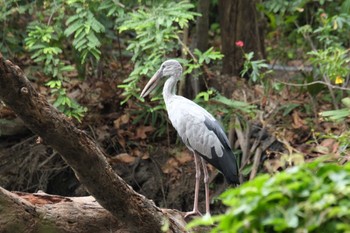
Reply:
x=239, y=21
x=195, y=82
x=84, y=156
x=201, y=42
x=202, y=25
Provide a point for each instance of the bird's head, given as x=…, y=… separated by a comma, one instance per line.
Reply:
x=171, y=67
x=168, y=68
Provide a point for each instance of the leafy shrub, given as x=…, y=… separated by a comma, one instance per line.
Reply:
x=51, y=26
x=214, y=102
x=313, y=197
x=157, y=30
x=333, y=62
x=316, y=31
x=11, y=37
x=156, y=34
x=338, y=114
x=43, y=42
x=85, y=27
x=305, y=24
x=49, y=30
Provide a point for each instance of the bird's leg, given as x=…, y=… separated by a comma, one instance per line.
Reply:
x=196, y=189
x=206, y=185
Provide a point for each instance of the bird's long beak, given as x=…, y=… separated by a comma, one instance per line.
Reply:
x=152, y=83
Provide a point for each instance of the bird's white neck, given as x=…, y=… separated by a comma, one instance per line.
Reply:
x=169, y=89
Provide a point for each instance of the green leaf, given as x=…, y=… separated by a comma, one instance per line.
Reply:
x=336, y=115
x=74, y=27
x=289, y=108
x=304, y=198
x=243, y=106
x=71, y=19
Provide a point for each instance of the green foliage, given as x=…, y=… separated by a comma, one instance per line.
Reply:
x=42, y=42
x=154, y=30
x=283, y=6
x=328, y=38
x=332, y=62
x=338, y=114
x=154, y=115
x=313, y=197
x=283, y=15
x=45, y=43
x=332, y=29
x=257, y=70
x=227, y=108
x=317, y=32
x=305, y=25
x=113, y=9
x=85, y=27
x=157, y=30
x=200, y=59
x=253, y=68
x=228, y=104
x=63, y=102
x=10, y=36
x=53, y=26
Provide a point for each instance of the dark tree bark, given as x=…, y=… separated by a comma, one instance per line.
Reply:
x=81, y=153
x=201, y=41
x=190, y=87
x=240, y=21
x=202, y=25
x=39, y=212
x=43, y=213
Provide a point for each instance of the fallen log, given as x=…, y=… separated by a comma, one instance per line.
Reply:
x=41, y=212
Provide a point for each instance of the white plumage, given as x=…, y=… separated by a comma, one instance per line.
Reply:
x=188, y=120
x=198, y=129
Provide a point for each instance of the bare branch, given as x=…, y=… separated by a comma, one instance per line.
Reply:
x=312, y=83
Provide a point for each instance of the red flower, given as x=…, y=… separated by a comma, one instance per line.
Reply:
x=239, y=43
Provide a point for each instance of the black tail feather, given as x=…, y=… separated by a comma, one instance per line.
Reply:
x=226, y=164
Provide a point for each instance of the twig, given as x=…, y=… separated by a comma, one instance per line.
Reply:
x=120, y=50
x=325, y=77
x=187, y=50
x=160, y=178
x=289, y=68
x=243, y=138
x=52, y=13
x=314, y=82
x=205, y=67
x=256, y=163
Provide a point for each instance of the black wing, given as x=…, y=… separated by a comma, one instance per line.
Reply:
x=227, y=163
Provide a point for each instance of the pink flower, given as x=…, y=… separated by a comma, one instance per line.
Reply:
x=239, y=43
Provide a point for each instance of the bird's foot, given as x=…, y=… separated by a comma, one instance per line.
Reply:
x=193, y=212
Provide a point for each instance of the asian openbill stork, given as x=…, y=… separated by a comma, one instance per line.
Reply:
x=198, y=129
